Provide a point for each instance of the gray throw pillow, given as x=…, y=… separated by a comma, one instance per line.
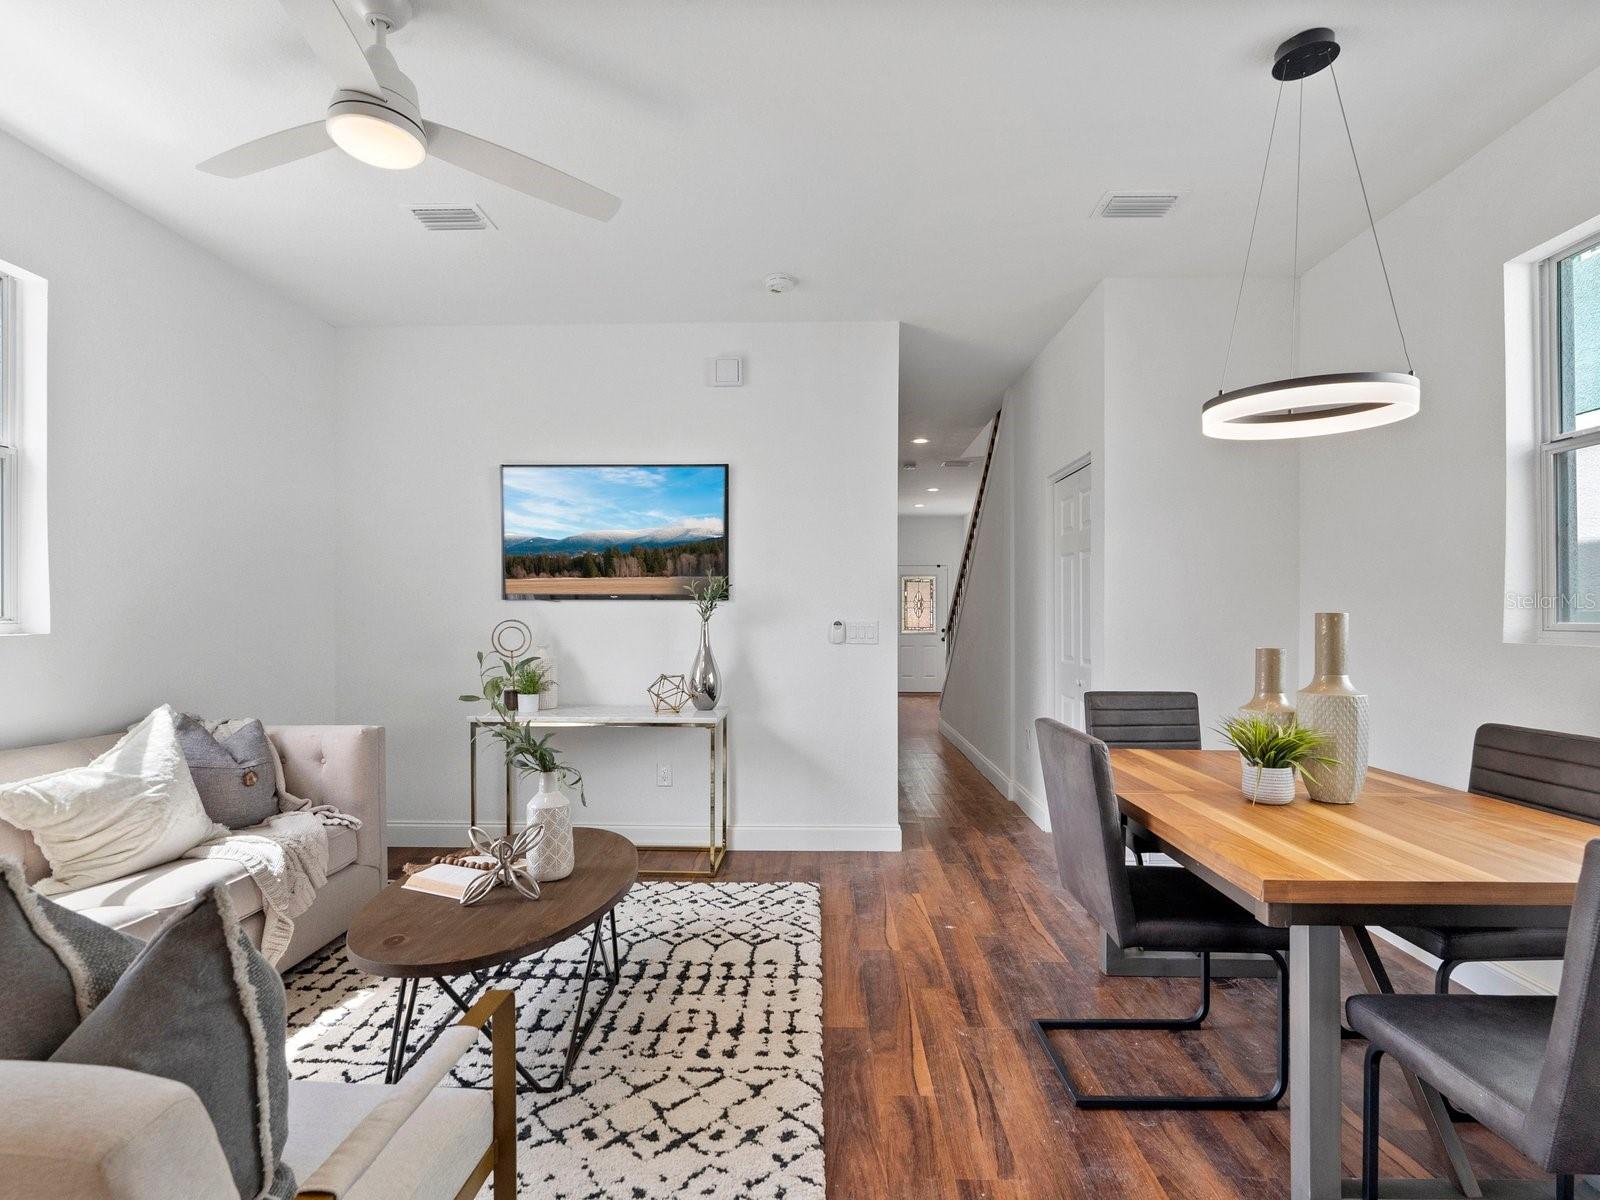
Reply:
x=236, y=777
x=55, y=966
x=201, y=1006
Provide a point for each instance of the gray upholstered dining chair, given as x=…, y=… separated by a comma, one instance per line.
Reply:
x=1527, y=1067
x=1559, y=772
x=1142, y=908
x=1143, y=721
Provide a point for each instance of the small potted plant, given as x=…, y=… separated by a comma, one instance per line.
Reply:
x=530, y=679
x=1272, y=754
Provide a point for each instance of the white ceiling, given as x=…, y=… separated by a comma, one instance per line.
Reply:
x=930, y=161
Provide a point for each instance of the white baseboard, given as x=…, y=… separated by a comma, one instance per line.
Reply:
x=1036, y=809
x=1003, y=783
x=741, y=837
x=987, y=767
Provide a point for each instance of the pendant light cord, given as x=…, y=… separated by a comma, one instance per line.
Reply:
x=1294, y=270
x=1261, y=188
x=1371, y=224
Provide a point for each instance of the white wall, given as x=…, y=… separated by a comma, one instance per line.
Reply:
x=1193, y=562
x=190, y=475
x=1404, y=526
x=1201, y=552
x=428, y=415
x=936, y=539
x=974, y=708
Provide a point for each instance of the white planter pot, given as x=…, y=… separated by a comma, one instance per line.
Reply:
x=1266, y=785
x=552, y=857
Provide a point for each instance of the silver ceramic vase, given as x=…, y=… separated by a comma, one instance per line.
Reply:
x=1270, y=701
x=705, y=680
x=1331, y=705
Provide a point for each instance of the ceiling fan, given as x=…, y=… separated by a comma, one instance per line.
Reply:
x=374, y=118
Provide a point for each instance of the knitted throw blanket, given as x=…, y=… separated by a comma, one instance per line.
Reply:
x=287, y=858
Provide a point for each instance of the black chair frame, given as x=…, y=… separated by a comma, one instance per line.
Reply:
x=1225, y=1102
x=1371, y=1132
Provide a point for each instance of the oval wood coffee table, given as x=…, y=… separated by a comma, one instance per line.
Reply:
x=413, y=936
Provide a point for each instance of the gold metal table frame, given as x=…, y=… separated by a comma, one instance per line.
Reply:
x=714, y=722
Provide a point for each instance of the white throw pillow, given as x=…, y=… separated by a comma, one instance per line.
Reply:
x=133, y=807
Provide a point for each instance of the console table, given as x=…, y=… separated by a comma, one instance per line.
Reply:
x=599, y=716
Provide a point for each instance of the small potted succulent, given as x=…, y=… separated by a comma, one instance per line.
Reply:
x=1272, y=754
x=531, y=679
x=506, y=679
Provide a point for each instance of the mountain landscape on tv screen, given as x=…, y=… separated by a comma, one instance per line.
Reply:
x=598, y=540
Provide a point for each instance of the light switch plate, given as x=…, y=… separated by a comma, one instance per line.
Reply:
x=861, y=633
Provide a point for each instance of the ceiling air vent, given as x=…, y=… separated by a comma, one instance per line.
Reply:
x=1135, y=204
x=441, y=218
x=956, y=462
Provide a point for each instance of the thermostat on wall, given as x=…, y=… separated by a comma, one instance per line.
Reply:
x=727, y=372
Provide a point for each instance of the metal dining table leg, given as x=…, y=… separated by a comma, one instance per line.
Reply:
x=1429, y=1103
x=1314, y=1102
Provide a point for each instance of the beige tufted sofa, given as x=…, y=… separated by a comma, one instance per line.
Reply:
x=341, y=765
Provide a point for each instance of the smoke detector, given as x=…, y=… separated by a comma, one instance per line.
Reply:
x=778, y=283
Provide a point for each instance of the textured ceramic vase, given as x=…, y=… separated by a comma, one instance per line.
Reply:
x=705, y=681
x=1270, y=701
x=1331, y=705
x=551, y=857
x=1266, y=785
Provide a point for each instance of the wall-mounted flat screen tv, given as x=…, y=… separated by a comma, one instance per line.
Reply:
x=611, y=533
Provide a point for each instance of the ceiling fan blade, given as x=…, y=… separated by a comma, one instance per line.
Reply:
x=336, y=42
x=274, y=150
x=514, y=170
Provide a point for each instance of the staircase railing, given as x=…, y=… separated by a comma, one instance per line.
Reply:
x=953, y=624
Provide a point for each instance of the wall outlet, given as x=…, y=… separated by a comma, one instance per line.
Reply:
x=663, y=775
x=1027, y=736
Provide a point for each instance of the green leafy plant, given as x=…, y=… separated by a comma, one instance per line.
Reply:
x=1270, y=744
x=531, y=677
x=708, y=595
x=526, y=752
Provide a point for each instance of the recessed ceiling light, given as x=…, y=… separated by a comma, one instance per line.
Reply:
x=919, y=441
x=933, y=489
x=919, y=506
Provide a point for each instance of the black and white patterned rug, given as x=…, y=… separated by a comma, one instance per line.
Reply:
x=703, y=1077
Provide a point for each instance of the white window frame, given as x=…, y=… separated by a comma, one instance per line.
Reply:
x=1552, y=443
x=10, y=454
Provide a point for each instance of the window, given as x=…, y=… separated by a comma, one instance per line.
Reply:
x=1570, y=440
x=918, y=604
x=9, y=423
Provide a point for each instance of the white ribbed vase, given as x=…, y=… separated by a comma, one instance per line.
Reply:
x=552, y=857
x=1266, y=785
x=1331, y=705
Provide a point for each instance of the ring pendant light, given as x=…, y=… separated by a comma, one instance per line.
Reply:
x=1310, y=405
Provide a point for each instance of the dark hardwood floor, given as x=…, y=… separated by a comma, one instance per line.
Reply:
x=934, y=960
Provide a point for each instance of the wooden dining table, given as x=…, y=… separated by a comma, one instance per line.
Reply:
x=1406, y=853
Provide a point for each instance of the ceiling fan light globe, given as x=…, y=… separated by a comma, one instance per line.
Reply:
x=376, y=135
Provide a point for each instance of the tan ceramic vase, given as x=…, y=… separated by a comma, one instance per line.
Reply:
x=1269, y=701
x=1331, y=705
